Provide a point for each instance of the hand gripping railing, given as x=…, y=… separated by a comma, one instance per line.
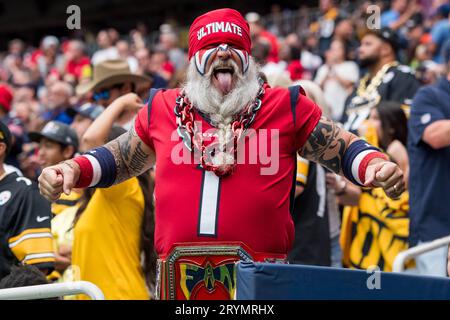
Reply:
x=53, y=290
x=404, y=256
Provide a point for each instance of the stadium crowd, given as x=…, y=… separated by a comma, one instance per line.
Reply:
x=389, y=84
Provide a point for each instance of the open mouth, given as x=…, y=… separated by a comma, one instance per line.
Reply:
x=221, y=69
x=224, y=77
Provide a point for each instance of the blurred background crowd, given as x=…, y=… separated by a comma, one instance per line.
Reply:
x=70, y=93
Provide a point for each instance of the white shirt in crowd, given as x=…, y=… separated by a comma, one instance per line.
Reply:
x=110, y=53
x=335, y=94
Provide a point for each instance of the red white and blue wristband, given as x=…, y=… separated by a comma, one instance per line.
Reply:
x=356, y=160
x=97, y=168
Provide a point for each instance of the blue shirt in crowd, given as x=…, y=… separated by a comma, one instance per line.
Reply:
x=440, y=33
x=429, y=178
x=389, y=17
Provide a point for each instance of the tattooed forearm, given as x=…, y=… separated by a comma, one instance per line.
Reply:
x=326, y=145
x=139, y=159
x=131, y=155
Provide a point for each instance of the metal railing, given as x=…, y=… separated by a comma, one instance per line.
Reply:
x=404, y=256
x=53, y=290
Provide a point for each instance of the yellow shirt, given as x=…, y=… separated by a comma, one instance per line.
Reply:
x=106, y=249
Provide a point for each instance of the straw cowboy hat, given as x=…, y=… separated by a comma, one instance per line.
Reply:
x=109, y=73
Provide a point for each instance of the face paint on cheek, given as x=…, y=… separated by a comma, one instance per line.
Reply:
x=201, y=59
x=243, y=57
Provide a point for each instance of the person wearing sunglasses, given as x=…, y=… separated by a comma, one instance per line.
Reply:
x=112, y=79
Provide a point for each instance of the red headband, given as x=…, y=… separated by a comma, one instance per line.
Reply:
x=219, y=26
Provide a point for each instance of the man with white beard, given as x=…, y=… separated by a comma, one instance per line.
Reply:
x=219, y=204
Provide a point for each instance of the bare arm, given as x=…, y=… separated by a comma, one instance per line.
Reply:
x=437, y=134
x=132, y=155
x=327, y=144
x=97, y=134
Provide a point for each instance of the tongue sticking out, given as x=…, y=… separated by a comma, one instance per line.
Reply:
x=224, y=79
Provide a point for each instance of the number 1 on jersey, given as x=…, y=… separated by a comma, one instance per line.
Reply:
x=209, y=204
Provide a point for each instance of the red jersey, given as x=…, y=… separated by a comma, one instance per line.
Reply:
x=253, y=204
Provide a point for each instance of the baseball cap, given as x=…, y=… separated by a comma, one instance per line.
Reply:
x=387, y=35
x=443, y=10
x=5, y=136
x=87, y=110
x=50, y=41
x=58, y=132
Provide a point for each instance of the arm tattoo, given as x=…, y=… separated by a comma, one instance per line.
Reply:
x=131, y=160
x=326, y=145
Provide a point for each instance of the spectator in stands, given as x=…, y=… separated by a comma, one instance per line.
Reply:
x=160, y=64
x=77, y=62
x=83, y=118
x=111, y=80
x=123, y=48
x=337, y=77
x=58, y=102
x=143, y=56
x=326, y=23
x=375, y=227
x=62, y=224
x=57, y=142
x=429, y=154
x=47, y=59
x=345, y=32
x=290, y=57
x=14, y=124
x=310, y=60
x=259, y=33
x=440, y=32
x=109, y=255
x=385, y=80
x=168, y=41
x=25, y=236
x=107, y=49
x=399, y=14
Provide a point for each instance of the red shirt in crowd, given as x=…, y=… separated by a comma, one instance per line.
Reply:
x=75, y=68
x=295, y=70
x=273, y=42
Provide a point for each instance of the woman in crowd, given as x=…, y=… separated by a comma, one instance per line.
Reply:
x=375, y=227
x=337, y=77
x=114, y=227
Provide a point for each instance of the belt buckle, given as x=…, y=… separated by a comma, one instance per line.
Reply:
x=200, y=272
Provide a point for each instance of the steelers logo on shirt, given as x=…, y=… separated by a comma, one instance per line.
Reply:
x=4, y=197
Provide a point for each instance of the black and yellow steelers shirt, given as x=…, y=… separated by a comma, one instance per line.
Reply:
x=66, y=201
x=25, y=232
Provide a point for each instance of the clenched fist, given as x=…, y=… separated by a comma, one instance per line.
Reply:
x=387, y=175
x=59, y=178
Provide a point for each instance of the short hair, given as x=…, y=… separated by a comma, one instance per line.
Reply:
x=78, y=44
x=23, y=276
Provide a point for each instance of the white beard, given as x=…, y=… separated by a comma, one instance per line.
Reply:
x=220, y=108
x=206, y=98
